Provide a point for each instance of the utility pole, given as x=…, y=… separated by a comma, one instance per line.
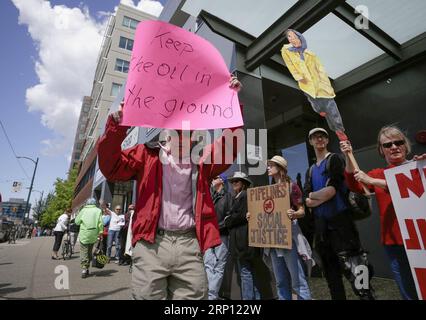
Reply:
x=27, y=208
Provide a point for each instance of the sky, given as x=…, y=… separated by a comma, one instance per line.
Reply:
x=47, y=65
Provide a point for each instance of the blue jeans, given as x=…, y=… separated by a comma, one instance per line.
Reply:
x=113, y=236
x=214, y=263
x=401, y=271
x=248, y=288
x=289, y=274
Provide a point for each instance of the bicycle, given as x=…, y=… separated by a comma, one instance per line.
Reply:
x=67, y=246
x=12, y=236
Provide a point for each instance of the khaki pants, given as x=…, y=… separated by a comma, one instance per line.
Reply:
x=86, y=255
x=170, y=268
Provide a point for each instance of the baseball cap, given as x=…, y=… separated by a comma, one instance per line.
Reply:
x=315, y=130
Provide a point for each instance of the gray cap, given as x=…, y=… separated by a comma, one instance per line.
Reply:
x=315, y=130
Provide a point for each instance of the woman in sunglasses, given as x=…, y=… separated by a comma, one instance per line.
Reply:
x=394, y=147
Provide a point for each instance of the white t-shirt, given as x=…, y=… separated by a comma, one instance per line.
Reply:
x=61, y=225
x=117, y=221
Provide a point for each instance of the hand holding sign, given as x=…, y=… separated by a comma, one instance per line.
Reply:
x=234, y=84
x=419, y=157
x=177, y=76
x=118, y=115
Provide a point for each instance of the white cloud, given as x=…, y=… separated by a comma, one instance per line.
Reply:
x=148, y=6
x=68, y=42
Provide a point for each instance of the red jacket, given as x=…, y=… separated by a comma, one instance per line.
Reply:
x=143, y=164
x=390, y=232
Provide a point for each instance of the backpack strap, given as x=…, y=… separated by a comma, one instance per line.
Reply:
x=327, y=167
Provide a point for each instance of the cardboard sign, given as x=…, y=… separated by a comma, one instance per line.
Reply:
x=407, y=184
x=176, y=76
x=269, y=225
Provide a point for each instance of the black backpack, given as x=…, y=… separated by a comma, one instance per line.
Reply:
x=359, y=204
x=74, y=227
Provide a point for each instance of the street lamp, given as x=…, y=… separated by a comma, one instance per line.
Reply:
x=27, y=210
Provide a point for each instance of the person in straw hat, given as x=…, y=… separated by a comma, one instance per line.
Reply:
x=287, y=264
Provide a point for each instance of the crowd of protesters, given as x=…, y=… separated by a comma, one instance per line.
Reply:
x=187, y=234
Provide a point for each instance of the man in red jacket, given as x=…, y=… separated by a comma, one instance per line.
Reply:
x=174, y=221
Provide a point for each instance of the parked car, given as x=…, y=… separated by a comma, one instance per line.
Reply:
x=5, y=227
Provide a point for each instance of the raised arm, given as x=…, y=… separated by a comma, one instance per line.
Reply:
x=114, y=163
x=355, y=178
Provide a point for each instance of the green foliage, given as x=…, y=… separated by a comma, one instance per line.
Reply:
x=60, y=200
x=41, y=206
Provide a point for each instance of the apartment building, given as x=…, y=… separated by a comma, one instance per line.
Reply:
x=109, y=79
x=80, y=136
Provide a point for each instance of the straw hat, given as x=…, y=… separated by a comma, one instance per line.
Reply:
x=280, y=161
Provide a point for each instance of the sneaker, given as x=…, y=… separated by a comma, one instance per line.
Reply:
x=84, y=273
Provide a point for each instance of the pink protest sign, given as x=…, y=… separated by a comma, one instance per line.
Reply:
x=176, y=76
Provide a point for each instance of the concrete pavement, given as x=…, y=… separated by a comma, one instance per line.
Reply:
x=28, y=272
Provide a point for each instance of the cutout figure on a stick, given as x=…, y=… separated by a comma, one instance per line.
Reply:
x=313, y=80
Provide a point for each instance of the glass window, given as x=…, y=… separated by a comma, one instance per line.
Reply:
x=133, y=23
x=251, y=16
x=402, y=20
x=297, y=156
x=130, y=23
x=126, y=22
x=121, y=66
x=126, y=43
x=339, y=47
x=115, y=89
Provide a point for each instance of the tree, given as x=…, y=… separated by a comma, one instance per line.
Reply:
x=61, y=200
x=41, y=206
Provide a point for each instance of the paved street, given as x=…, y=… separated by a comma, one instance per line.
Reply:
x=28, y=272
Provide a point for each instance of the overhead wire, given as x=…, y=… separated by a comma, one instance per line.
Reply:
x=13, y=150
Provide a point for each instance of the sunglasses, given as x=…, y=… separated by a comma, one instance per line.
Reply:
x=397, y=143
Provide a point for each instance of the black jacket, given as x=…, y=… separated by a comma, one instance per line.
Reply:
x=237, y=224
x=219, y=201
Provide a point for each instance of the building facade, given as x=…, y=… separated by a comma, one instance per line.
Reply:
x=109, y=80
x=80, y=137
x=13, y=210
x=377, y=68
